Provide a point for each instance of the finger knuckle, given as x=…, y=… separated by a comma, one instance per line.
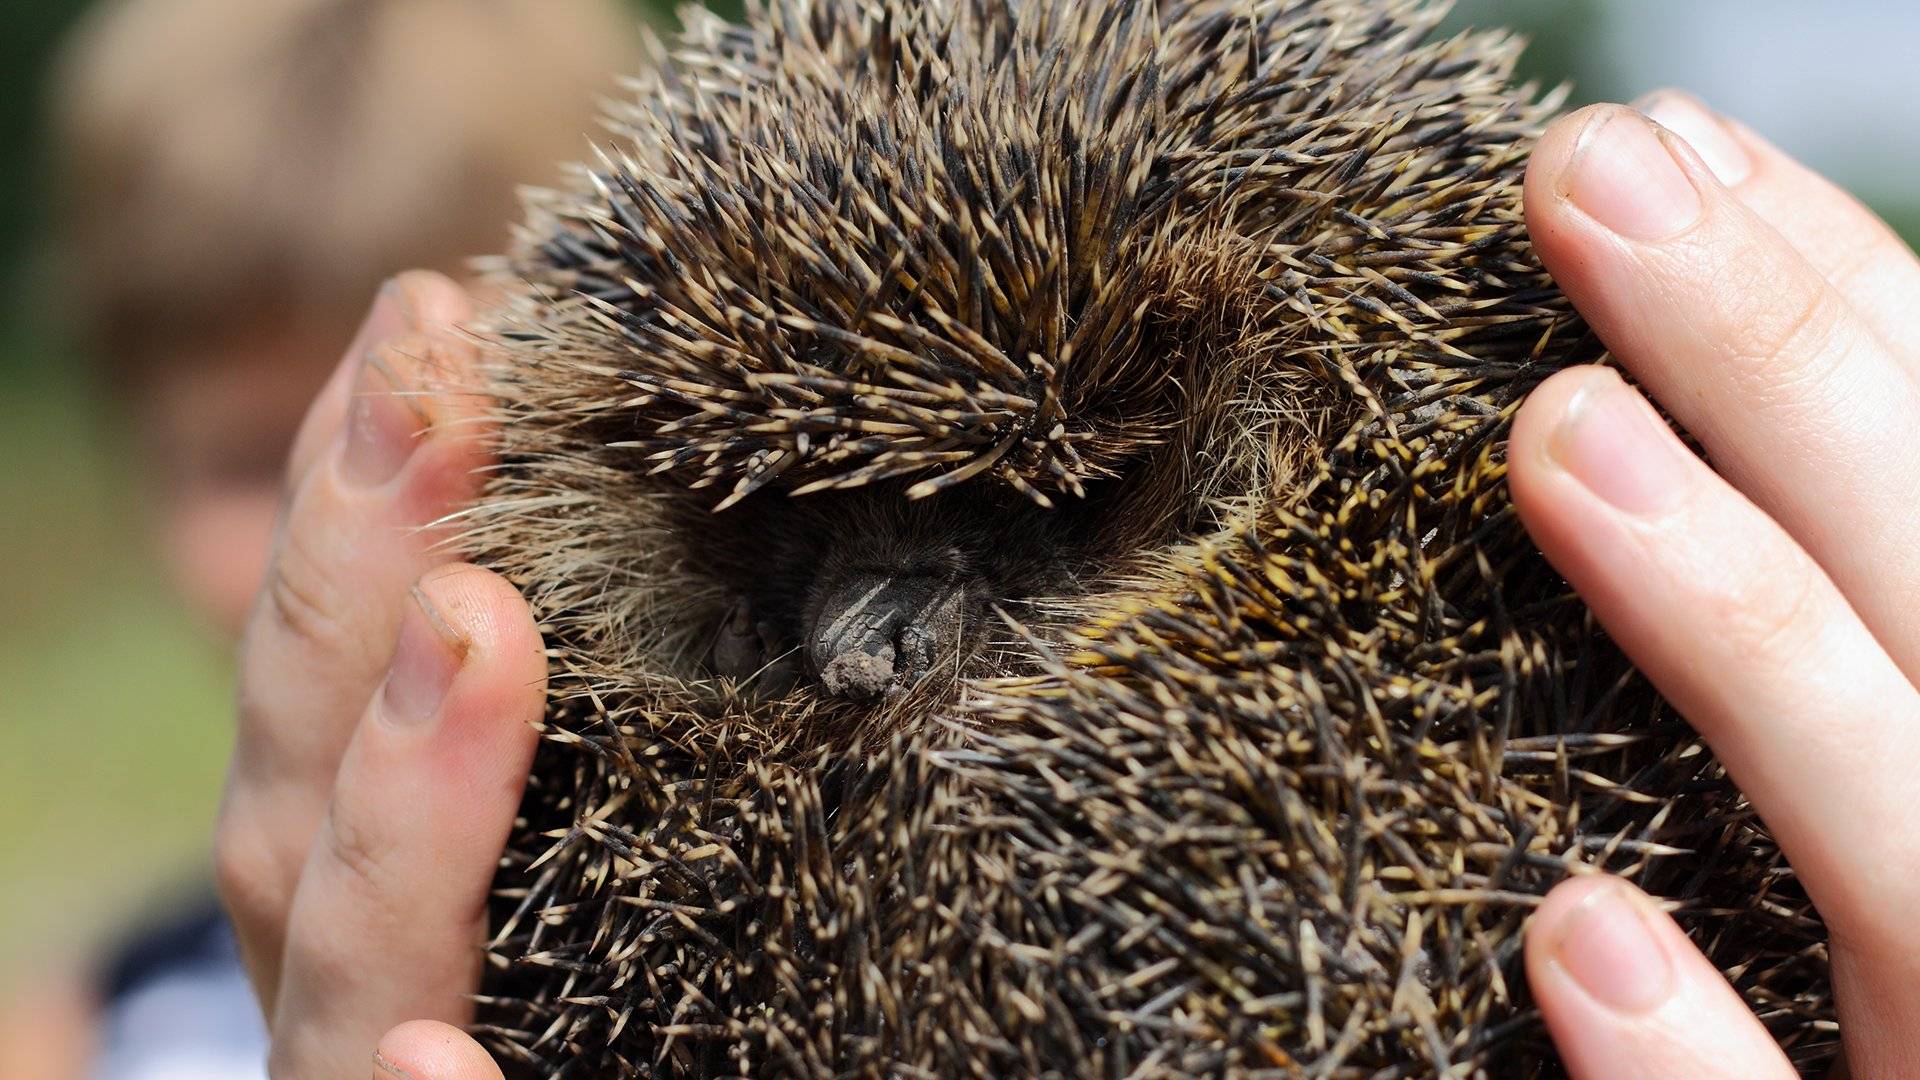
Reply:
x=247, y=872
x=1854, y=264
x=360, y=851
x=302, y=600
x=1875, y=275
x=325, y=961
x=348, y=899
x=1769, y=622
x=1791, y=343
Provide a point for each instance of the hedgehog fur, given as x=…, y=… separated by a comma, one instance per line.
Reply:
x=1014, y=492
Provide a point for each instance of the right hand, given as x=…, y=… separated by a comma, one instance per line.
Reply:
x=388, y=697
x=1770, y=597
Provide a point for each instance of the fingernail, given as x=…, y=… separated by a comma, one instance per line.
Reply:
x=383, y=424
x=386, y=319
x=1613, y=442
x=425, y=659
x=1624, y=177
x=1607, y=944
x=1685, y=116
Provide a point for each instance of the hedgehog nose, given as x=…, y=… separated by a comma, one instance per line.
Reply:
x=874, y=633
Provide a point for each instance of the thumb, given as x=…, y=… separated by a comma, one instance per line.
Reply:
x=430, y=1050
x=1625, y=994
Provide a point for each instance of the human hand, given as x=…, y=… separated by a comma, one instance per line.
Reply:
x=1772, y=602
x=386, y=711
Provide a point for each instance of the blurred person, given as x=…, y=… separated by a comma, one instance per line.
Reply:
x=234, y=178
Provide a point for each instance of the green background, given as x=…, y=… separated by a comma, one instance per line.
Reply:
x=113, y=707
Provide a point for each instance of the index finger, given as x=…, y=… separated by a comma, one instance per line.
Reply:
x=1795, y=399
x=353, y=537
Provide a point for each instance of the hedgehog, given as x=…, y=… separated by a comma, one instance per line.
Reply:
x=1014, y=491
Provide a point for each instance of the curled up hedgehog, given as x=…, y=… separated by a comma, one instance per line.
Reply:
x=1014, y=491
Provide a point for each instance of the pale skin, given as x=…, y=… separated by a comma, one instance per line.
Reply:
x=385, y=730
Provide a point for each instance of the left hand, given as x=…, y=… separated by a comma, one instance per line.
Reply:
x=386, y=711
x=1773, y=602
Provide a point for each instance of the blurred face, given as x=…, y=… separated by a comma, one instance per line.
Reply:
x=217, y=427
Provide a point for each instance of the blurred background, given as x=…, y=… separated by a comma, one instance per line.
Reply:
x=114, y=709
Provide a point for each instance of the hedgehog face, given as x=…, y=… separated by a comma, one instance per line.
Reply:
x=1014, y=496
x=864, y=594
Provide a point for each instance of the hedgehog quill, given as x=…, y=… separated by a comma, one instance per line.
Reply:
x=1015, y=496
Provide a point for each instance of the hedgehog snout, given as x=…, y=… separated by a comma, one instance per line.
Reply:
x=862, y=595
x=874, y=632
